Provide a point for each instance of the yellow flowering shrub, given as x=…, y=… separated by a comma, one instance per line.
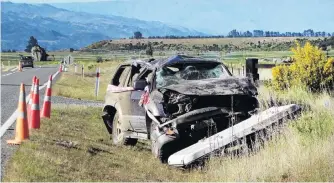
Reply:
x=310, y=68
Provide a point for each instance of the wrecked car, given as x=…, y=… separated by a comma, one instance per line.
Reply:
x=175, y=102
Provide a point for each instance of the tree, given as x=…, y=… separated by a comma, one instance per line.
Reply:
x=137, y=35
x=31, y=43
x=149, y=49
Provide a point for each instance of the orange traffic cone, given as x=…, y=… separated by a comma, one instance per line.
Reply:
x=21, y=131
x=30, y=100
x=35, y=113
x=46, y=110
x=20, y=67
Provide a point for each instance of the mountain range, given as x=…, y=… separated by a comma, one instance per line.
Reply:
x=217, y=17
x=57, y=28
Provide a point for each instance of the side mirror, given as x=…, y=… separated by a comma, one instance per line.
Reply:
x=139, y=84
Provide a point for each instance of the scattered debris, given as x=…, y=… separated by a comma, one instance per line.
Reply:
x=67, y=144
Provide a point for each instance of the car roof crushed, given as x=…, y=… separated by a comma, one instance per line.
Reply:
x=162, y=62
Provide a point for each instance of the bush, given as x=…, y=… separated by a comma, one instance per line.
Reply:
x=91, y=66
x=310, y=69
x=99, y=59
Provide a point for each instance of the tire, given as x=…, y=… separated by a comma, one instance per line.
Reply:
x=32, y=66
x=118, y=136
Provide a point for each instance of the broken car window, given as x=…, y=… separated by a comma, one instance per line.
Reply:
x=177, y=74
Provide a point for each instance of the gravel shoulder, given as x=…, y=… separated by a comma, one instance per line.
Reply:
x=71, y=101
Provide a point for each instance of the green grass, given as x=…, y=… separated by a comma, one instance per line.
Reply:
x=303, y=151
x=94, y=158
x=73, y=85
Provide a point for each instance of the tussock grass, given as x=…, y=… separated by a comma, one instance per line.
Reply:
x=302, y=152
x=284, y=159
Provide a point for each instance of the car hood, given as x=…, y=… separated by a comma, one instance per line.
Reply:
x=216, y=86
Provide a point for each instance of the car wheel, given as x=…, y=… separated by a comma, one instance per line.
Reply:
x=118, y=135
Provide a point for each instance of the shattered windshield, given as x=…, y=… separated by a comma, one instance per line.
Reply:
x=177, y=74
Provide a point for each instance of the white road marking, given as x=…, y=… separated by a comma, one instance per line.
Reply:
x=14, y=69
x=7, y=74
x=13, y=117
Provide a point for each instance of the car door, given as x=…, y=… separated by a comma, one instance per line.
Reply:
x=116, y=87
x=138, y=112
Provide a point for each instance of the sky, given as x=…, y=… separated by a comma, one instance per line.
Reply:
x=53, y=1
x=216, y=16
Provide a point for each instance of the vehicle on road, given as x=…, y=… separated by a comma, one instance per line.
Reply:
x=175, y=102
x=27, y=61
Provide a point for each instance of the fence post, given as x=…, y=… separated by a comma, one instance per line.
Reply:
x=97, y=82
x=82, y=71
x=75, y=68
x=232, y=68
x=243, y=70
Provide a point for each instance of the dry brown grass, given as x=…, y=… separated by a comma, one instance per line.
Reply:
x=209, y=41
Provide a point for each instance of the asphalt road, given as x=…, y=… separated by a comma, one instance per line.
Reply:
x=10, y=90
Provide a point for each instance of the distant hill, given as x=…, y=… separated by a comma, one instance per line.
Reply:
x=210, y=44
x=57, y=28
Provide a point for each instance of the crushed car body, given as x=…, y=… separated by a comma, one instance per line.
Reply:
x=175, y=102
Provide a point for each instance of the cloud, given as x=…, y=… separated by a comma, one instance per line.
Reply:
x=55, y=1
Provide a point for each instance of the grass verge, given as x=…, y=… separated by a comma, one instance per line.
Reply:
x=72, y=84
x=73, y=148
x=303, y=152
x=6, y=68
